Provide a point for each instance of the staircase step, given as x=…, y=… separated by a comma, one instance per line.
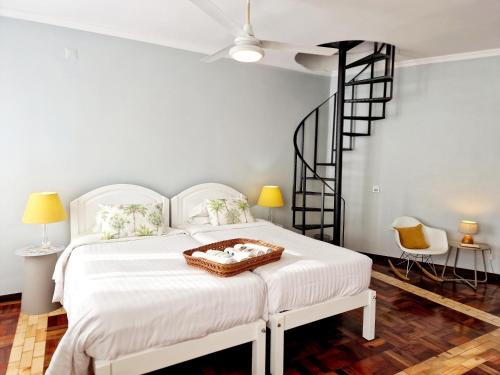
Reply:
x=312, y=209
x=348, y=44
x=370, y=80
x=327, y=164
x=312, y=226
x=368, y=59
x=315, y=193
x=353, y=134
x=324, y=178
x=364, y=118
x=368, y=100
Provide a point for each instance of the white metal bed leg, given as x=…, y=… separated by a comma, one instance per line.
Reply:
x=259, y=351
x=102, y=367
x=277, y=326
x=369, y=314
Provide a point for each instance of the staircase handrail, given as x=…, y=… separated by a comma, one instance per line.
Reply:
x=298, y=153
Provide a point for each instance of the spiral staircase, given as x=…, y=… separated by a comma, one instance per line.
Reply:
x=364, y=86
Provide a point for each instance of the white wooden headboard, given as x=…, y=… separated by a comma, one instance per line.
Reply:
x=184, y=202
x=83, y=210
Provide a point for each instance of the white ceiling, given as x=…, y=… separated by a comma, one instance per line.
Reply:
x=420, y=29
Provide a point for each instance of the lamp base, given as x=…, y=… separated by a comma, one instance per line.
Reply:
x=270, y=215
x=468, y=239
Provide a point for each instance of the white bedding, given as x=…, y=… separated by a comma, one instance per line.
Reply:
x=309, y=271
x=129, y=295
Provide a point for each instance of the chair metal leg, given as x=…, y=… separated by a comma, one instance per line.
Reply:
x=410, y=261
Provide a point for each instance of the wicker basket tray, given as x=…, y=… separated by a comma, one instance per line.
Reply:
x=226, y=270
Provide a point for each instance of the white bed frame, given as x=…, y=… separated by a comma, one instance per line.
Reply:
x=82, y=213
x=183, y=203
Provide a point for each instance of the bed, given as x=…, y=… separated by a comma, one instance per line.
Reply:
x=312, y=281
x=133, y=304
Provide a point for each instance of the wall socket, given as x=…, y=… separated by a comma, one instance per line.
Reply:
x=375, y=189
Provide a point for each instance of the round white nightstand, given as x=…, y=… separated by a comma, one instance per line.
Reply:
x=38, y=286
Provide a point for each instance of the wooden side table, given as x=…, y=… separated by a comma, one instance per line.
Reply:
x=38, y=286
x=473, y=283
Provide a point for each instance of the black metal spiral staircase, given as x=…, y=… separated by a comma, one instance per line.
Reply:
x=364, y=87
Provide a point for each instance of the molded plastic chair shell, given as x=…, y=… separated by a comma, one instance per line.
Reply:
x=435, y=237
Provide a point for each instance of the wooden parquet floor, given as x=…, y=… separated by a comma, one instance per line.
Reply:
x=422, y=328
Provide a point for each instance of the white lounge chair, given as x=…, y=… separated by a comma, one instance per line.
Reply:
x=437, y=240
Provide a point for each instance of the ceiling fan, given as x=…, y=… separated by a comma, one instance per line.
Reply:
x=246, y=47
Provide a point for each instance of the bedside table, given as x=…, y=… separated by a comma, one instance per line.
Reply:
x=38, y=286
x=481, y=247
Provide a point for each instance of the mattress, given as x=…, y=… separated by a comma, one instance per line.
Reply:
x=309, y=272
x=126, y=296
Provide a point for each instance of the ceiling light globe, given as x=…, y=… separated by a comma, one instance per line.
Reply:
x=246, y=53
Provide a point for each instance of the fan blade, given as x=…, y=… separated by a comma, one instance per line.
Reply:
x=324, y=51
x=217, y=55
x=214, y=12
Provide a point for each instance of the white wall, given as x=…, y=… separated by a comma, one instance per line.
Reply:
x=436, y=157
x=130, y=112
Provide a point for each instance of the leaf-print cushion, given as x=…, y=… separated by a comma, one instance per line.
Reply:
x=129, y=220
x=228, y=211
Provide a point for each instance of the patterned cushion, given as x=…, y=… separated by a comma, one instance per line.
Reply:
x=228, y=211
x=130, y=220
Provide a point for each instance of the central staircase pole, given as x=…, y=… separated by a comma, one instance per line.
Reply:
x=339, y=143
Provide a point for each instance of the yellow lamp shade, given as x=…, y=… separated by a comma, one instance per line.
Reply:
x=468, y=227
x=44, y=208
x=270, y=196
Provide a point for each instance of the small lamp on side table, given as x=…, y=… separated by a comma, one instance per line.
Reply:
x=44, y=208
x=270, y=196
x=468, y=228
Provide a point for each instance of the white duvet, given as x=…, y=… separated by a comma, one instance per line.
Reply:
x=126, y=296
x=309, y=271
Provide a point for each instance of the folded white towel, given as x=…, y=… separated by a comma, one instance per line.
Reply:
x=229, y=250
x=240, y=255
x=253, y=248
x=241, y=247
x=215, y=252
x=215, y=256
x=263, y=249
x=234, y=254
x=219, y=259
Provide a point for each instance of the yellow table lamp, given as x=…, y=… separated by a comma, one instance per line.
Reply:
x=44, y=208
x=270, y=196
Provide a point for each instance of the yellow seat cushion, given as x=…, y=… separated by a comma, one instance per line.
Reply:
x=412, y=237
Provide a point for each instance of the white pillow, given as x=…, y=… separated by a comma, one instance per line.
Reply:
x=228, y=211
x=199, y=214
x=130, y=220
x=199, y=220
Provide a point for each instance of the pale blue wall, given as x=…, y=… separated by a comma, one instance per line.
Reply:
x=436, y=157
x=131, y=112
